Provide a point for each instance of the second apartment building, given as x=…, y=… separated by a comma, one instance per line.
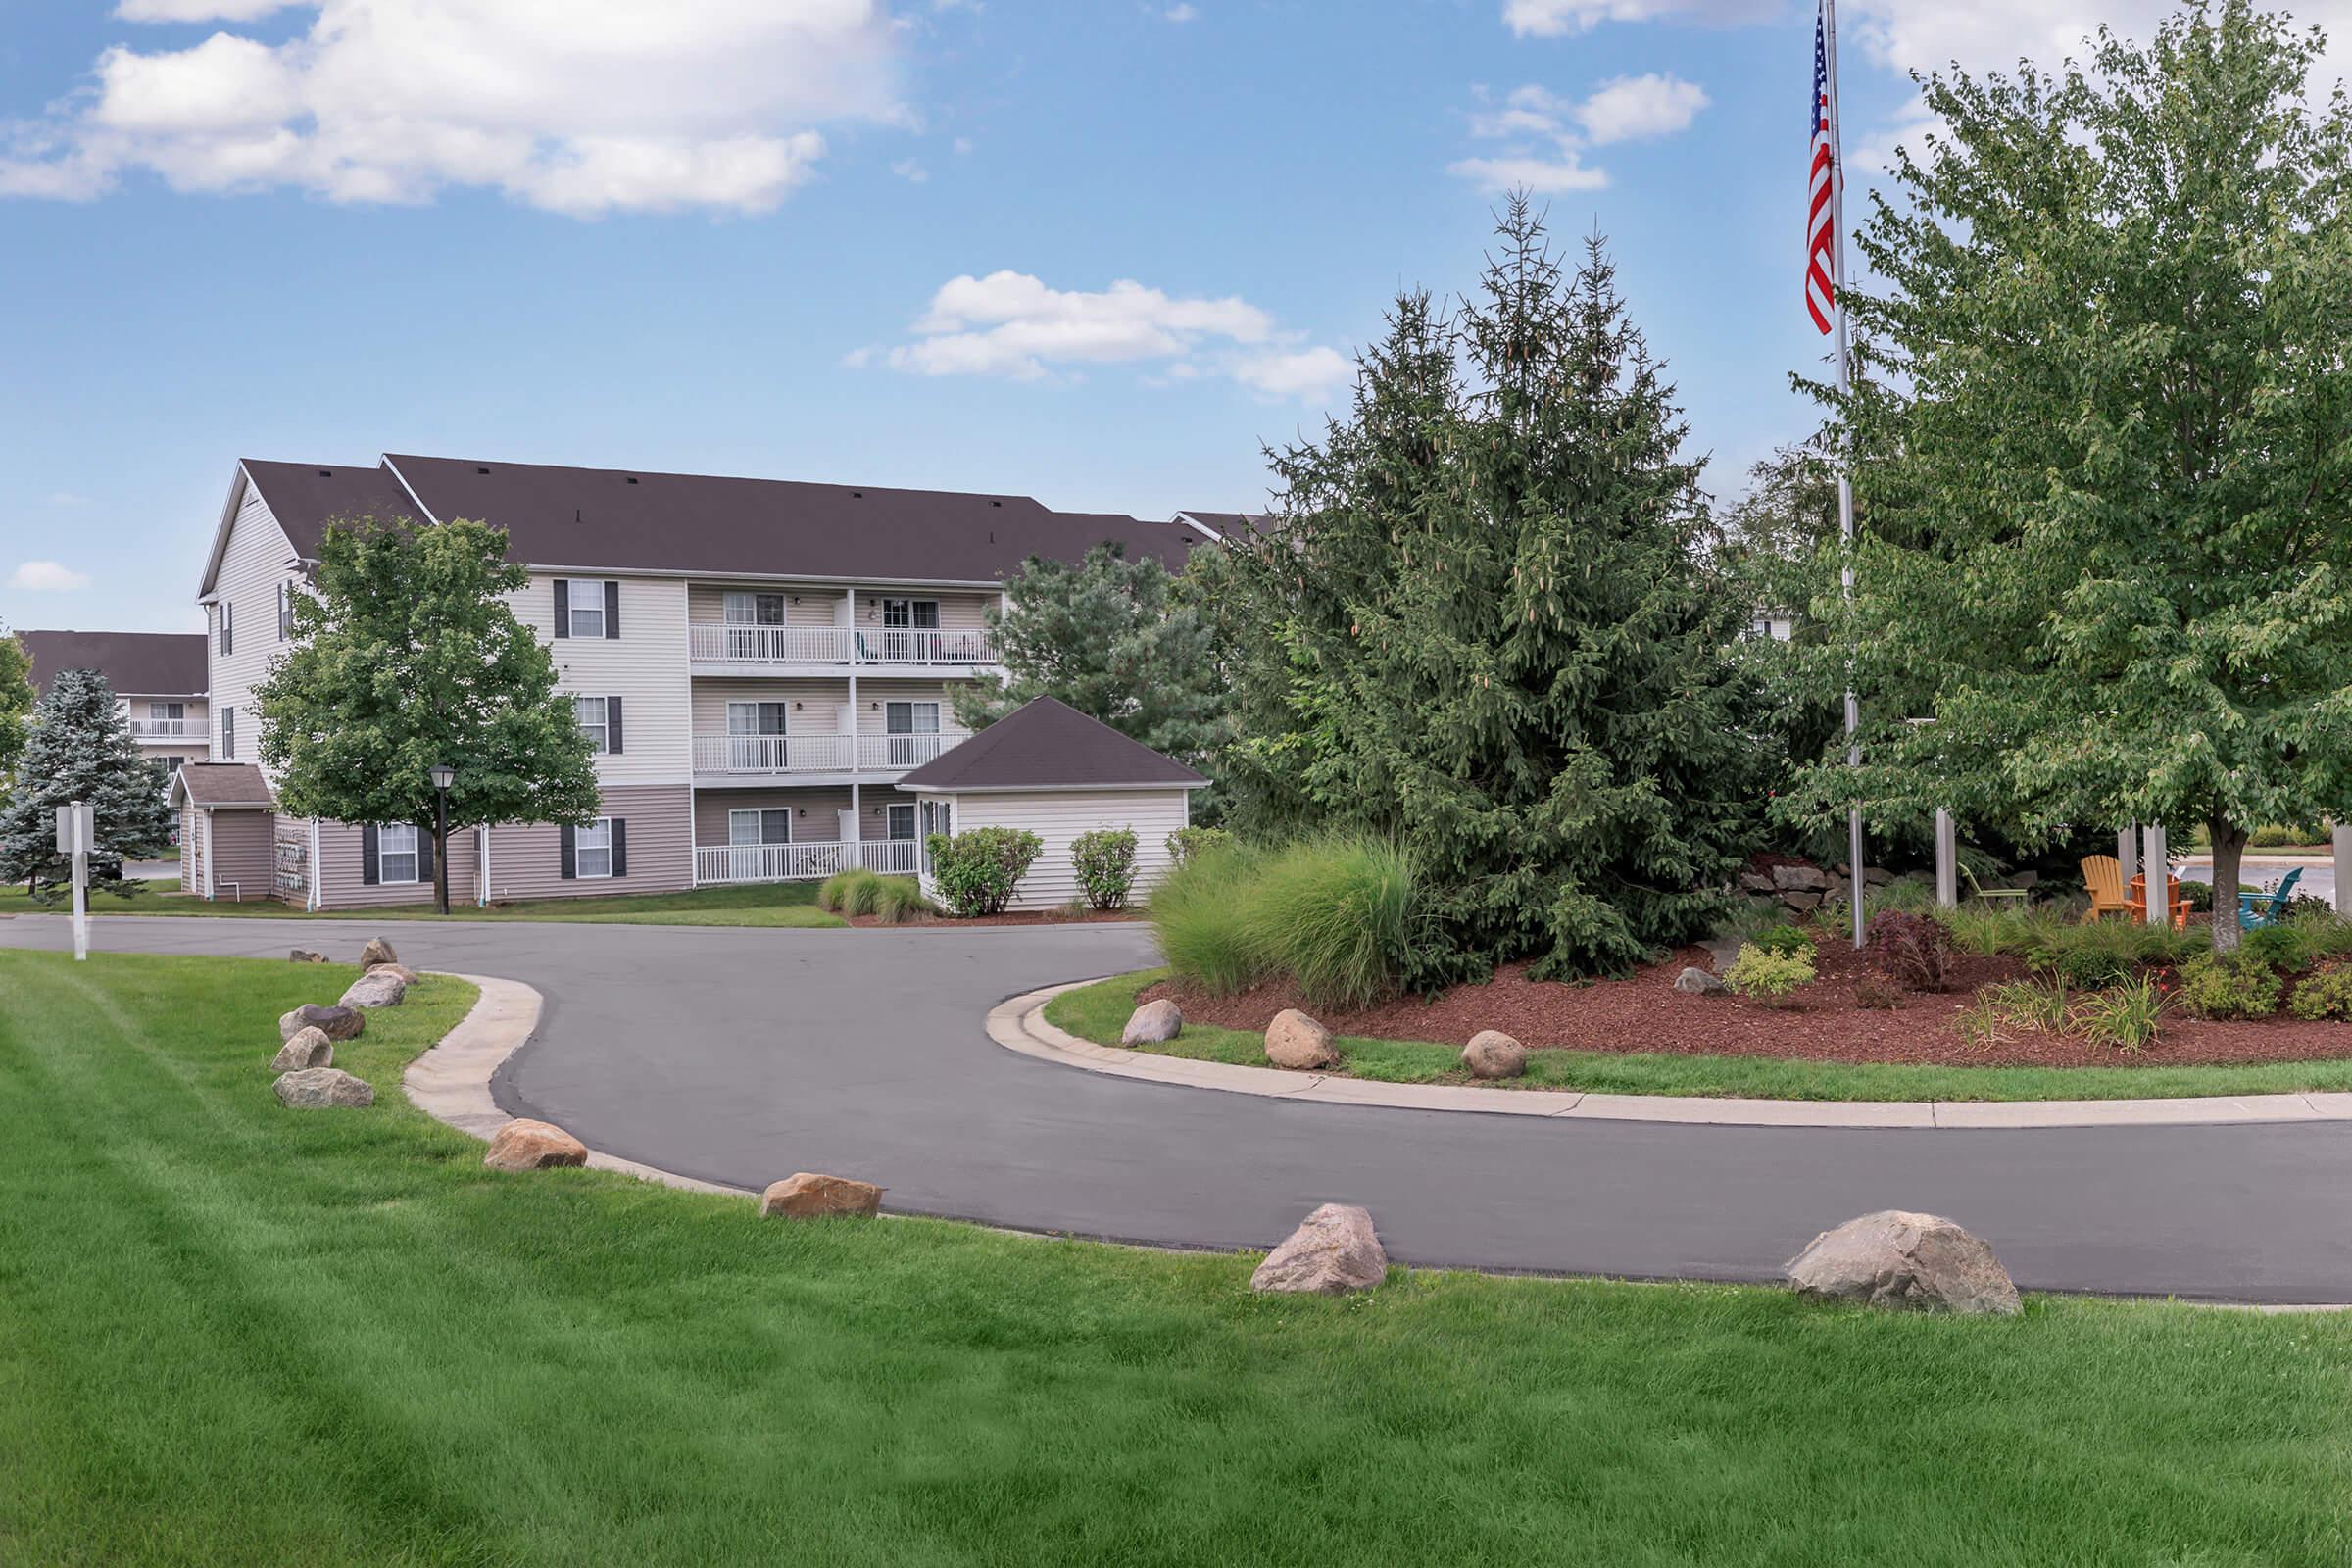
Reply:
x=757, y=662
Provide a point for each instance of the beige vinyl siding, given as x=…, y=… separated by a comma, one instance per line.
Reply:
x=821, y=824
x=1060, y=818
x=244, y=852
x=820, y=699
x=960, y=610
x=528, y=862
x=258, y=557
x=645, y=666
x=874, y=691
x=706, y=603
x=342, y=865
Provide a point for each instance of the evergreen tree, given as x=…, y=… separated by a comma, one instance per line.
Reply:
x=1115, y=640
x=2111, y=531
x=407, y=655
x=1482, y=625
x=79, y=749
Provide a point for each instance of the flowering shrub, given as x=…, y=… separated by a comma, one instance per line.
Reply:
x=1104, y=860
x=977, y=869
x=1910, y=950
x=1760, y=972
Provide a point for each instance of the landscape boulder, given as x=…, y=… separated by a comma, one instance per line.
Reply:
x=1800, y=878
x=1293, y=1040
x=399, y=971
x=808, y=1194
x=377, y=951
x=1900, y=1259
x=320, y=1088
x=336, y=1023
x=1152, y=1024
x=378, y=988
x=1335, y=1250
x=310, y=1048
x=525, y=1145
x=1801, y=901
x=1698, y=983
x=305, y=955
x=1755, y=882
x=1492, y=1054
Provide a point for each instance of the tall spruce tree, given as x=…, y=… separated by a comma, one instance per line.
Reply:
x=1481, y=625
x=79, y=749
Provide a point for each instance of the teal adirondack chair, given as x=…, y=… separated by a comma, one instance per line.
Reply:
x=2258, y=909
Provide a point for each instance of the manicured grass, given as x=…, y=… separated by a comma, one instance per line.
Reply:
x=235, y=1334
x=763, y=903
x=1098, y=1013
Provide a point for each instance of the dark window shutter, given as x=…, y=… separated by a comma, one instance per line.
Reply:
x=370, y=868
x=620, y=846
x=613, y=726
x=562, y=607
x=572, y=860
x=425, y=855
x=611, y=609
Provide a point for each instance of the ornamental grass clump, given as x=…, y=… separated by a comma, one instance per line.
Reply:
x=1196, y=913
x=1334, y=914
x=833, y=894
x=897, y=900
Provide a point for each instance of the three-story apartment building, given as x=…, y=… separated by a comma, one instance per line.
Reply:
x=158, y=677
x=756, y=662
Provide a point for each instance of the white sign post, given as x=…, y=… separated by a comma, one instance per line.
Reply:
x=77, y=833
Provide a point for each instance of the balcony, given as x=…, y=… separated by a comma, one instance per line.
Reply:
x=767, y=648
x=801, y=863
x=774, y=755
x=167, y=729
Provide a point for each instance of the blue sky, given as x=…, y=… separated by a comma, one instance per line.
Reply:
x=1096, y=252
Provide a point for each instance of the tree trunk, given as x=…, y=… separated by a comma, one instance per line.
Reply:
x=2228, y=849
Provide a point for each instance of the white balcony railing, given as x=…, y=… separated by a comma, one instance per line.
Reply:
x=801, y=863
x=818, y=754
x=729, y=644
x=167, y=729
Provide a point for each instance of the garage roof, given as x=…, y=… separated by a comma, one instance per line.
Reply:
x=1049, y=745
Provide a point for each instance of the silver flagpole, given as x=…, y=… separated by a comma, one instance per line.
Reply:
x=1855, y=887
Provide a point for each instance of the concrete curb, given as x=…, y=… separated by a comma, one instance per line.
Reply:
x=451, y=1082
x=1018, y=1024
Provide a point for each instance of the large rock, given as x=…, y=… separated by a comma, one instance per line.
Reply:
x=1293, y=1040
x=1698, y=983
x=377, y=951
x=399, y=971
x=378, y=988
x=807, y=1194
x=310, y=1048
x=319, y=1088
x=1152, y=1024
x=525, y=1145
x=1333, y=1251
x=1802, y=902
x=1492, y=1054
x=1897, y=1259
x=1800, y=878
x=336, y=1023
x=1755, y=882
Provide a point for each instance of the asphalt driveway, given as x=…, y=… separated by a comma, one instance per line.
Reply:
x=742, y=1055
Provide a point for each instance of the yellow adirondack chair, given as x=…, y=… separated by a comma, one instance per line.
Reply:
x=2103, y=875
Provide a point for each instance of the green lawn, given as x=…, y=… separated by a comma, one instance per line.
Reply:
x=234, y=1334
x=767, y=904
x=1098, y=1013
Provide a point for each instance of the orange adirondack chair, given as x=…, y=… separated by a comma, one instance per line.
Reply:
x=2103, y=875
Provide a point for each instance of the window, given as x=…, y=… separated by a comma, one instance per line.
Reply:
x=754, y=609
x=592, y=849
x=172, y=764
x=765, y=825
x=396, y=852
x=167, y=711
x=917, y=614
x=228, y=628
x=228, y=734
x=901, y=821
x=936, y=818
x=581, y=605
x=594, y=714
x=285, y=610
x=912, y=732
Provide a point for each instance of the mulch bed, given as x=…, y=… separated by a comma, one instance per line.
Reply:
x=1822, y=1022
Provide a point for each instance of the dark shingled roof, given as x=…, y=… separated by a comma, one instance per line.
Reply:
x=136, y=664
x=305, y=497
x=635, y=519
x=1050, y=745
x=222, y=784
x=1229, y=524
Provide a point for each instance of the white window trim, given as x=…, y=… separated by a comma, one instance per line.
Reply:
x=758, y=815
x=581, y=852
x=600, y=732
x=413, y=853
x=914, y=712
x=748, y=599
x=573, y=608
x=914, y=829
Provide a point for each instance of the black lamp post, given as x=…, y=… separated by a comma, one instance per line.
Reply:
x=443, y=775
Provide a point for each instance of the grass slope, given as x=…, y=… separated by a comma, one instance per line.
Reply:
x=1098, y=1013
x=233, y=1334
x=764, y=904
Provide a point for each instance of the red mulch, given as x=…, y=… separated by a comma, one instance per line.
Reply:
x=1821, y=1022
x=1014, y=917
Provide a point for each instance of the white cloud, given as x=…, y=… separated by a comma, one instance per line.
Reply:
x=1180, y=13
x=1544, y=176
x=1555, y=18
x=47, y=577
x=1630, y=107
x=1550, y=134
x=583, y=107
x=1012, y=325
x=910, y=170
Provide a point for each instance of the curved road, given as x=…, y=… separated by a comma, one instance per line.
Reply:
x=742, y=1055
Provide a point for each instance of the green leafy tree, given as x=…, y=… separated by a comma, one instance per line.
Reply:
x=79, y=749
x=16, y=697
x=406, y=656
x=1117, y=640
x=1480, y=627
x=2111, y=538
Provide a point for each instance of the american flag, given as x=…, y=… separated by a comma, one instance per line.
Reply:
x=1820, y=222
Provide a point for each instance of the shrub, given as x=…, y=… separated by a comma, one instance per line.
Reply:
x=1198, y=914
x=2238, y=986
x=1913, y=950
x=1760, y=971
x=2089, y=967
x=2323, y=993
x=1334, y=914
x=2308, y=907
x=1784, y=941
x=1186, y=842
x=1104, y=860
x=897, y=900
x=833, y=893
x=863, y=894
x=1876, y=992
x=978, y=869
x=2125, y=1016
